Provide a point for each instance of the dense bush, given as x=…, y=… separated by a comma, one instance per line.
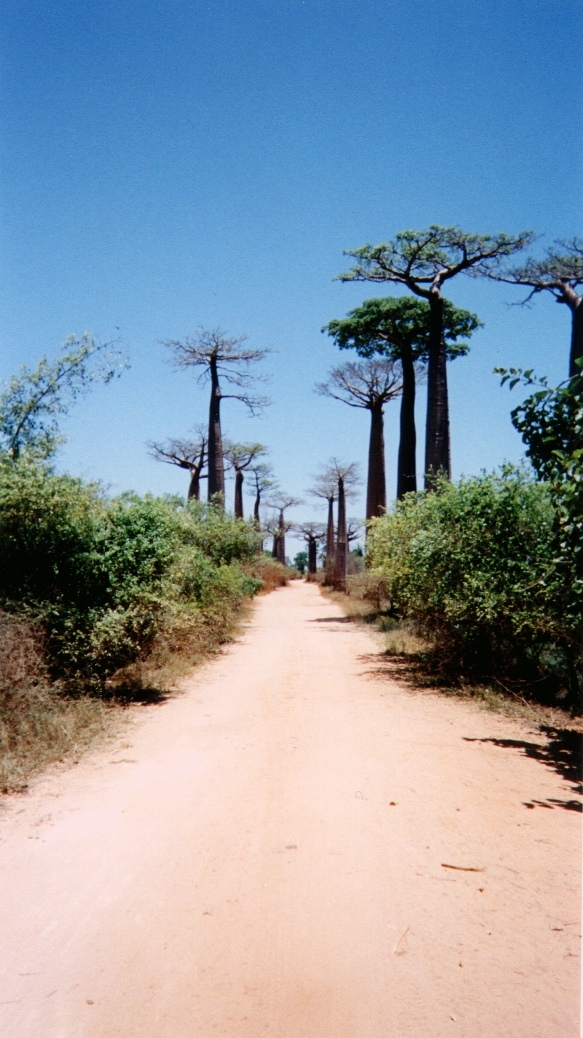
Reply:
x=472, y=568
x=103, y=577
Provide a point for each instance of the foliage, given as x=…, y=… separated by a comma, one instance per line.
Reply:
x=31, y=400
x=469, y=567
x=301, y=561
x=384, y=326
x=103, y=577
x=550, y=422
x=424, y=260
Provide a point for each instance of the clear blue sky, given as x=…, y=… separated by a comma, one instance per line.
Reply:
x=168, y=164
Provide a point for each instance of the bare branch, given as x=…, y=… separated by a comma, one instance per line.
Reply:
x=368, y=383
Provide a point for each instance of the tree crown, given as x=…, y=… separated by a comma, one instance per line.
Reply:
x=559, y=271
x=241, y=455
x=424, y=260
x=31, y=400
x=186, y=454
x=390, y=325
x=226, y=357
x=367, y=383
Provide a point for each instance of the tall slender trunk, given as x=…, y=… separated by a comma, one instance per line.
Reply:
x=216, y=467
x=437, y=455
x=194, y=485
x=406, y=464
x=376, y=488
x=329, y=561
x=256, y=519
x=576, y=337
x=312, y=558
x=281, y=541
x=238, y=494
x=341, y=560
x=274, y=550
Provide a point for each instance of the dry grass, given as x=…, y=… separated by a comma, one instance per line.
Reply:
x=272, y=573
x=38, y=724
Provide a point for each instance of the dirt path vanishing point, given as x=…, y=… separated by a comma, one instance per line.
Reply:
x=296, y=848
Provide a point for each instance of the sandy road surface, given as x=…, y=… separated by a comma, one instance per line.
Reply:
x=264, y=857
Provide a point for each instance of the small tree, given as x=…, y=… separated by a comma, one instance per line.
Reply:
x=186, y=454
x=398, y=327
x=240, y=457
x=369, y=384
x=423, y=261
x=301, y=561
x=281, y=502
x=226, y=359
x=559, y=272
x=312, y=533
x=32, y=400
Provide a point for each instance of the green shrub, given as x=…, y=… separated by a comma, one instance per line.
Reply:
x=103, y=577
x=470, y=567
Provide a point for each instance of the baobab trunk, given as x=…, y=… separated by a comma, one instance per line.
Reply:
x=376, y=487
x=341, y=560
x=194, y=485
x=275, y=549
x=576, y=337
x=281, y=541
x=216, y=478
x=406, y=464
x=312, y=558
x=437, y=456
x=329, y=561
x=238, y=494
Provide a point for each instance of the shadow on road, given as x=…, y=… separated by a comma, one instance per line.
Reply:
x=562, y=753
x=331, y=620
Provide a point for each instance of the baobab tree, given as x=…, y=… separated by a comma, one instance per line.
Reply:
x=338, y=480
x=312, y=534
x=398, y=327
x=226, y=359
x=423, y=262
x=559, y=272
x=326, y=487
x=262, y=475
x=185, y=454
x=240, y=457
x=369, y=384
x=281, y=502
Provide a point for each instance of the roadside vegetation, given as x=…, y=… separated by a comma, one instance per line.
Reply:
x=106, y=600
x=477, y=585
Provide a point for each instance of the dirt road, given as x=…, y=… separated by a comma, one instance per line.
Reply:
x=266, y=856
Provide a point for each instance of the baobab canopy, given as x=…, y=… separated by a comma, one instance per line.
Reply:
x=423, y=261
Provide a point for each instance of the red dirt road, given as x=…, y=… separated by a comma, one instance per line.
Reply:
x=264, y=856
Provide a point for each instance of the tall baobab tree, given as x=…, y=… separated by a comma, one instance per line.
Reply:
x=281, y=502
x=423, y=262
x=398, y=327
x=185, y=454
x=559, y=272
x=337, y=481
x=369, y=384
x=326, y=487
x=240, y=457
x=262, y=475
x=347, y=476
x=312, y=534
x=225, y=359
